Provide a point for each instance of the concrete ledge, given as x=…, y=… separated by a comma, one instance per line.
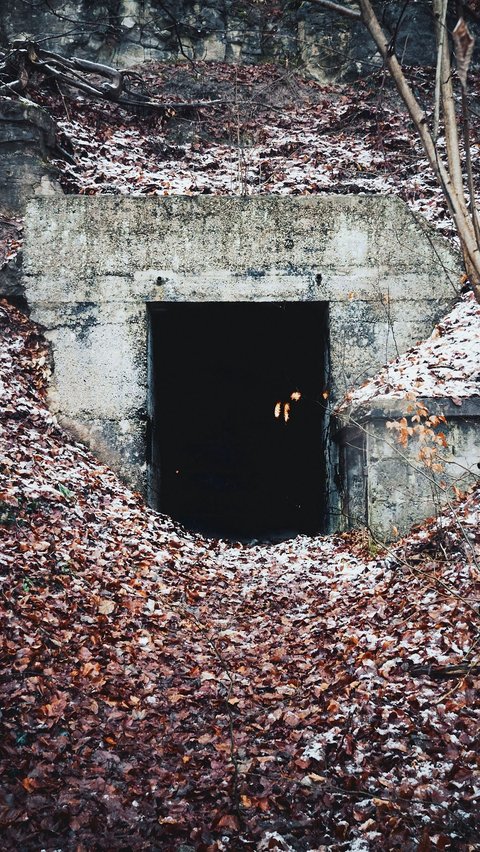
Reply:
x=392, y=408
x=395, y=480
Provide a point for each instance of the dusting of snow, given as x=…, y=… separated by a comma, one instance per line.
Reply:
x=447, y=364
x=272, y=840
x=316, y=748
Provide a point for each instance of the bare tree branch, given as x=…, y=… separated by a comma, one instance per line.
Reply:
x=440, y=14
x=468, y=162
x=450, y=178
x=338, y=7
x=25, y=57
x=463, y=222
x=444, y=96
x=445, y=672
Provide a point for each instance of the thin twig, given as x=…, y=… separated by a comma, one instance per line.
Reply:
x=338, y=7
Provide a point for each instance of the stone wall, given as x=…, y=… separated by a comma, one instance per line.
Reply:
x=93, y=264
x=291, y=32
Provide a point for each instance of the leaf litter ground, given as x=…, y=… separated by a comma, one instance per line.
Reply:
x=163, y=691
x=273, y=132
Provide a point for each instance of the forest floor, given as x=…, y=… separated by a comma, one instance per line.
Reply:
x=268, y=131
x=164, y=691
x=161, y=689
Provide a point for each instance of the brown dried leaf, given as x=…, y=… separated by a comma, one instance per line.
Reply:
x=106, y=606
x=464, y=44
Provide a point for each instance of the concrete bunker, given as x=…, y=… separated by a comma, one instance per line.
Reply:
x=99, y=271
x=237, y=438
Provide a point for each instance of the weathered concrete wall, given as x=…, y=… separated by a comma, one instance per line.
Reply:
x=387, y=483
x=93, y=264
x=325, y=44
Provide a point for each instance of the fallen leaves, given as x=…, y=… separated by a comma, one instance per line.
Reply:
x=275, y=133
x=106, y=607
x=160, y=689
x=55, y=708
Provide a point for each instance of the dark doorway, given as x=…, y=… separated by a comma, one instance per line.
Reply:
x=238, y=417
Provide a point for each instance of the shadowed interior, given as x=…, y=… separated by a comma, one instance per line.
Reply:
x=238, y=417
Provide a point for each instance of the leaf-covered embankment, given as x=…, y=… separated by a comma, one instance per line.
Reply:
x=160, y=689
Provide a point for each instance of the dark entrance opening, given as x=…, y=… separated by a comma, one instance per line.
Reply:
x=237, y=417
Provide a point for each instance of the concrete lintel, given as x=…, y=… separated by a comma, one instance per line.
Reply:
x=253, y=285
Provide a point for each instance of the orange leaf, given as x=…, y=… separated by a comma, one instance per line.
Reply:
x=228, y=821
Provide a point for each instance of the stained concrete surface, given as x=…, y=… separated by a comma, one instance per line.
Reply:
x=93, y=265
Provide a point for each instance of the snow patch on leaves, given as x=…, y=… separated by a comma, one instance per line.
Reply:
x=275, y=133
x=447, y=364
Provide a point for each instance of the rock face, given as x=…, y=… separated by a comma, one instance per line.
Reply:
x=27, y=142
x=125, y=32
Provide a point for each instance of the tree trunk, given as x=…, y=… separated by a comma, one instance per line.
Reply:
x=456, y=202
